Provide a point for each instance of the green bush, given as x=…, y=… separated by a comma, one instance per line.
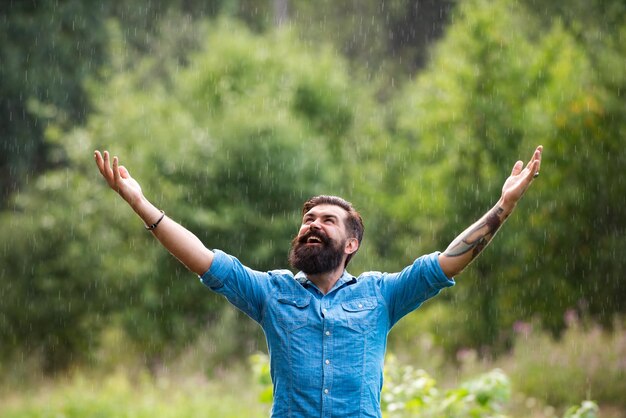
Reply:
x=410, y=392
x=586, y=361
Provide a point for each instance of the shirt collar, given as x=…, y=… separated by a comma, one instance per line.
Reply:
x=345, y=278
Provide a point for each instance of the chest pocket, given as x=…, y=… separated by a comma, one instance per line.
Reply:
x=292, y=311
x=361, y=314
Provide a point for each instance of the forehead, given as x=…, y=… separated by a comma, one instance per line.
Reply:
x=327, y=210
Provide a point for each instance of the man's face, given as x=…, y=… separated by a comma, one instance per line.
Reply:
x=322, y=242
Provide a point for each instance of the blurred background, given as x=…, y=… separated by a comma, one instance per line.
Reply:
x=231, y=113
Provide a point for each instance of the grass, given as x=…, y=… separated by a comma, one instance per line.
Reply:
x=120, y=395
x=546, y=375
x=586, y=362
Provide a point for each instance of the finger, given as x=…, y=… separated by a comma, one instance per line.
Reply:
x=99, y=161
x=534, y=163
x=116, y=172
x=517, y=168
x=533, y=170
x=536, y=156
x=108, y=173
x=538, y=153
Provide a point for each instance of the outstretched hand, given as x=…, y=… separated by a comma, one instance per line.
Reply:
x=118, y=178
x=520, y=179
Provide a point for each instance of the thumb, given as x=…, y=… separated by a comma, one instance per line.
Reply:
x=124, y=172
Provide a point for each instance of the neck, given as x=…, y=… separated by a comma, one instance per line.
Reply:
x=326, y=281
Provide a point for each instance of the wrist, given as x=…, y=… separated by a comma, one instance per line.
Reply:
x=506, y=206
x=153, y=226
x=148, y=213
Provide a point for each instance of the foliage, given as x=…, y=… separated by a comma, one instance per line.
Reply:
x=127, y=394
x=587, y=409
x=50, y=48
x=229, y=131
x=260, y=365
x=36, y=83
x=215, y=144
x=380, y=38
x=410, y=392
x=56, y=290
x=39, y=40
x=585, y=362
x=492, y=92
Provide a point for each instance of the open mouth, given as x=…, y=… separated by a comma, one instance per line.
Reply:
x=314, y=240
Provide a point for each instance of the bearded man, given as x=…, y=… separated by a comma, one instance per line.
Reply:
x=326, y=330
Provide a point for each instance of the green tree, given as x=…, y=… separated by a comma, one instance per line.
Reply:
x=494, y=90
x=229, y=145
x=46, y=50
x=50, y=48
x=390, y=37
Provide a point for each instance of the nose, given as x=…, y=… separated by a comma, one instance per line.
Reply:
x=315, y=224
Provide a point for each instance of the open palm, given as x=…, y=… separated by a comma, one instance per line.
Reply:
x=118, y=178
x=520, y=178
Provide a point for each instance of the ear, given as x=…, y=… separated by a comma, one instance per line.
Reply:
x=352, y=245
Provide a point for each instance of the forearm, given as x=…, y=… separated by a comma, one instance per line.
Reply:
x=471, y=242
x=179, y=241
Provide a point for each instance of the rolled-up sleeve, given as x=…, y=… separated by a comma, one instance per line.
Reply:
x=243, y=287
x=407, y=290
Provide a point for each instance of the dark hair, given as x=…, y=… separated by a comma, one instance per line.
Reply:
x=354, y=223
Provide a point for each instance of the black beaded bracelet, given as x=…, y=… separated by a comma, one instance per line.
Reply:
x=154, y=225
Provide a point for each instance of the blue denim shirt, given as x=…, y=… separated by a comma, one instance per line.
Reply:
x=326, y=351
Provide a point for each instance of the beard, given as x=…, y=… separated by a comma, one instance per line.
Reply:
x=315, y=259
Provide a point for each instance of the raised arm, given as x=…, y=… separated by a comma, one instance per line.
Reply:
x=179, y=241
x=474, y=239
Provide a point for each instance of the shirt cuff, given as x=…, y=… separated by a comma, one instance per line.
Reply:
x=213, y=278
x=439, y=278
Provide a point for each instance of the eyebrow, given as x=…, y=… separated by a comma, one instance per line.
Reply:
x=311, y=214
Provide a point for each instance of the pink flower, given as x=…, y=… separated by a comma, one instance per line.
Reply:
x=523, y=328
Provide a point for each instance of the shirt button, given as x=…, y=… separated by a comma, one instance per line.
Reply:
x=326, y=391
x=360, y=305
x=327, y=362
x=327, y=333
x=324, y=310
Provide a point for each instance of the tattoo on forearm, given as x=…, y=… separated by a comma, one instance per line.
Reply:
x=477, y=237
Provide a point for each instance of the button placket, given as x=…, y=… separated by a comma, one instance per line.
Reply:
x=326, y=356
